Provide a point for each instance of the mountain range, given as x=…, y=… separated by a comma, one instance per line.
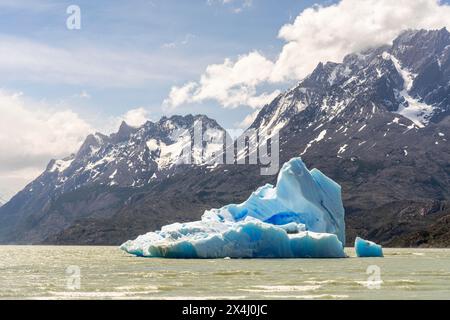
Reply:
x=378, y=123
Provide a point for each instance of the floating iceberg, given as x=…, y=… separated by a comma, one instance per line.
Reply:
x=366, y=249
x=301, y=217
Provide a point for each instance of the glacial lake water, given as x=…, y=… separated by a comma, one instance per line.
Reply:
x=35, y=272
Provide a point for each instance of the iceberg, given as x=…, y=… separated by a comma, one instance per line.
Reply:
x=302, y=217
x=366, y=249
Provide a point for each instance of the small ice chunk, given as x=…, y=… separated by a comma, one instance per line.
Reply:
x=366, y=249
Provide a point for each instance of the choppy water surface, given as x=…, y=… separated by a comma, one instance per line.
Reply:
x=108, y=273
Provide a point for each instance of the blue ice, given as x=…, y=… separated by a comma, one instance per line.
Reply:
x=366, y=249
x=302, y=217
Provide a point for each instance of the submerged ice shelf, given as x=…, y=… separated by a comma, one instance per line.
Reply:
x=302, y=217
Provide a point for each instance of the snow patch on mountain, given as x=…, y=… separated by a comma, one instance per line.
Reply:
x=319, y=138
x=153, y=145
x=171, y=154
x=286, y=106
x=61, y=165
x=418, y=112
x=343, y=149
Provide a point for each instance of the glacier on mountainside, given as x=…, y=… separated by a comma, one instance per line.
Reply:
x=302, y=217
x=367, y=249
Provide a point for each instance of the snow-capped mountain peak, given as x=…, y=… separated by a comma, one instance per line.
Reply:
x=133, y=157
x=410, y=78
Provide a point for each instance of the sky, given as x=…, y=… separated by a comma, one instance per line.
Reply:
x=140, y=60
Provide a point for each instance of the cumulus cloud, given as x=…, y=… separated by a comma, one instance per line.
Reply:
x=319, y=33
x=256, y=102
x=232, y=83
x=329, y=33
x=180, y=95
x=136, y=117
x=32, y=133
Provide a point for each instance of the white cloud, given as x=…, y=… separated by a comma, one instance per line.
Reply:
x=320, y=33
x=180, y=95
x=232, y=83
x=32, y=133
x=257, y=102
x=329, y=33
x=133, y=117
x=136, y=117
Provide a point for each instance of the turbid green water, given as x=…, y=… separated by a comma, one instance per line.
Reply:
x=108, y=273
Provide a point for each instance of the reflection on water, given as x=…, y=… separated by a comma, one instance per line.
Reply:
x=108, y=273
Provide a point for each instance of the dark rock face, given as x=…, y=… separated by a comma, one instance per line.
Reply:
x=378, y=123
